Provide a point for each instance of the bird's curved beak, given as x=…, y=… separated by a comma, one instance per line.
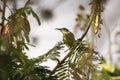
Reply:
x=57, y=29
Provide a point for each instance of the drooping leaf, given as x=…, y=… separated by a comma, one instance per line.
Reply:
x=36, y=16
x=27, y=3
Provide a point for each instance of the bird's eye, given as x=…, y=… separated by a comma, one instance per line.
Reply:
x=65, y=29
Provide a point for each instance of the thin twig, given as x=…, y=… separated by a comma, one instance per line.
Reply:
x=88, y=27
x=3, y=12
x=3, y=16
x=109, y=41
x=14, y=5
x=62, y=61
x=9, y=9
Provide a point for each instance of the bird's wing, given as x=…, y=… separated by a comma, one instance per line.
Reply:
x=69, y=39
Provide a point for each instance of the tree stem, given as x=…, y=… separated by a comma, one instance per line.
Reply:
x=88, y=27
x=3, y=70
x=3, y=12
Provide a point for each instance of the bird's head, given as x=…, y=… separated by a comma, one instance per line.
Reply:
x=63, y=30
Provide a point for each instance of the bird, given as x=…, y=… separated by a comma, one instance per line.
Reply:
x=68, y=37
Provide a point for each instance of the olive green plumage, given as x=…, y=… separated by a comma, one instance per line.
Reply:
x=68, y=37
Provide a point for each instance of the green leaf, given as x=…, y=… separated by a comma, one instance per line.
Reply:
x=81, y=8
x=61, y=68
x=26, y=47
x=19, y=55
x=63, y=77
x=36, y=16
x=27, y=3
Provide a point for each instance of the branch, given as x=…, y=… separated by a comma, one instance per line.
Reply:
x=3, y=12
x=88, y=27
x=14, y=5
x=3, y=16
x=62, y=61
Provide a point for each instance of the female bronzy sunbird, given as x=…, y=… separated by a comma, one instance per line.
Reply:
x=68, y=37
